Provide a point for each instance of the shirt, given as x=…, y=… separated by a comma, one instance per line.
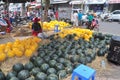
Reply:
x=79, y=16
x=90, y=17
x=36, y=26
x=75, y=16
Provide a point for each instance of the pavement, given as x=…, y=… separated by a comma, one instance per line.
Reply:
x=110, y=27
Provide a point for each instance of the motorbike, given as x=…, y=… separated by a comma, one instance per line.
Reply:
x=19, y=21
x=89, y=26
x=105, y=18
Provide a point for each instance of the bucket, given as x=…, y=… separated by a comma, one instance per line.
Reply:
x=56, y=28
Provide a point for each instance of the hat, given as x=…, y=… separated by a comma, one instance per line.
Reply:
x=35, y=20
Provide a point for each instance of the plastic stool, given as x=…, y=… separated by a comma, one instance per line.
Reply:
x=83, y=73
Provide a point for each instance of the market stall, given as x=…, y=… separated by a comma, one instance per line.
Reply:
x=56, y=58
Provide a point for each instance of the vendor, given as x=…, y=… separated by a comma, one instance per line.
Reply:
x=36, y=27
x=9, y=26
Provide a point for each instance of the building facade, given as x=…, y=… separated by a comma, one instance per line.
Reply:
x=114, y=5
x=95, y=5
x=65, y=7
x=62, y=6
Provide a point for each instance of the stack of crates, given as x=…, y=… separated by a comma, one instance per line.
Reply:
x=114, y=50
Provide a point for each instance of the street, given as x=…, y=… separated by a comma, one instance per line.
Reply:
x=109, y=27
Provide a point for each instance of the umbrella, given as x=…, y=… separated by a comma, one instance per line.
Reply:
x=3, y=22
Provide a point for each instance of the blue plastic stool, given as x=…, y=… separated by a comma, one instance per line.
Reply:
x=83, y=73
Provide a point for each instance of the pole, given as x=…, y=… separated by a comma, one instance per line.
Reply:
x=41, y=10
x=42, y=15
x=8, y=8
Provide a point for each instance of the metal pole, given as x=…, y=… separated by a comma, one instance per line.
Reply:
x=41, y=9
x=8, y=8
x=42, y=16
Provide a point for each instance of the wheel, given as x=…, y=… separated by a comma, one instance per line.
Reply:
x=110, y=20
x=118, y=21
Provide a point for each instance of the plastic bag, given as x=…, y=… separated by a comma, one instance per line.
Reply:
x=42, y=35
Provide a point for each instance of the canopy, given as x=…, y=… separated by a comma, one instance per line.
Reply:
x=76, y=2
x=114, y=1
x=95, y=1
x=35, y=5
x=58, y=1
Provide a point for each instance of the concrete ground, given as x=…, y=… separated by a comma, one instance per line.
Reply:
x=112, y=71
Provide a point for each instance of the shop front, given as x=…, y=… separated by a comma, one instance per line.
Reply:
x=77, y=4
x=114, y=5
x=61, y=7
x=96, y=5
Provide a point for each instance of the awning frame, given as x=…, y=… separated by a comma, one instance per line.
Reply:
x=58, y=2
x=76, y=2
x=95, y=2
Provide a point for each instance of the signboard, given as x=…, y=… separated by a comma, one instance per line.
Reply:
x=64, y=12
x=76, y=2
x=58, y=1
x=95, y=1
x=114, y=1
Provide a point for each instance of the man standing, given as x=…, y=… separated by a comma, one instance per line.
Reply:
x=56, y=15
x=80, y=18
x=75, y=18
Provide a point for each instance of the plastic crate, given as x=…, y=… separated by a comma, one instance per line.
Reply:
x=114, y=50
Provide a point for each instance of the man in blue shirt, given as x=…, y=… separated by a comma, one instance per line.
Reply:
x=80, y=18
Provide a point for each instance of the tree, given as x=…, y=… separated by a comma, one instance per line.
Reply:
x=47, y=4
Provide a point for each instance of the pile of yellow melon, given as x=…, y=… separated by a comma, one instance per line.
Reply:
x=86, y=34
x=19, y=48
x=51, y=25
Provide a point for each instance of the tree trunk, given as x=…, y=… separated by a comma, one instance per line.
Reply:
x=47, y=4
x=23, y=9
x=6, y=7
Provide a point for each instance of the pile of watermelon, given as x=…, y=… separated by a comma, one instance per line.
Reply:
x=58, y=58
